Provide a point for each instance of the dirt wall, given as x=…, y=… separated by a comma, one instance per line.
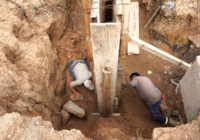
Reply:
x=32, y=81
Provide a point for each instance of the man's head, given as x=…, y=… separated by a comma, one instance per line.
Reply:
x=134, y=75
x=88, y=84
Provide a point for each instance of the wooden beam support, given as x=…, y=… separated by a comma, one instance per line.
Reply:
x=106, y=90
x=159, y=52
x=123, y=48
x=95, y=11
x=119, y=81
x=133, y=27
x=87, y=11
x=126, y=11
x=116, y=104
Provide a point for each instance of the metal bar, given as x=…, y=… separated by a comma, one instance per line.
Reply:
x=152, y=16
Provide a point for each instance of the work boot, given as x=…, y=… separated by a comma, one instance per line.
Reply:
x=165, y=110
x=173, y=123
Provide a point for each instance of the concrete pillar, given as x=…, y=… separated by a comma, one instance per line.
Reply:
x=190, y=89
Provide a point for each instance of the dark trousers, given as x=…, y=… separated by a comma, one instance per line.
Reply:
x=155, y=112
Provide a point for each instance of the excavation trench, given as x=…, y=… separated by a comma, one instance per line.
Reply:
x=135, y=115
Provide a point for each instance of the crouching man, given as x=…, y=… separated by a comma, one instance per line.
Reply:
x=151, y=96
x=81, y=74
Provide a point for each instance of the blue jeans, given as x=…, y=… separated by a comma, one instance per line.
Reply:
x=70, y=70
x=155, y=112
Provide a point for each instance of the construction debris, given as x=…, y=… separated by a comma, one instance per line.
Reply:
x=74, y=109
x=152, y=16
x=176, y=84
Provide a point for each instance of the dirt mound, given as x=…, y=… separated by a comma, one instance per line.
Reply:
x=32, y=81
x=109, y=133
x=16, y=127
x=182, y=132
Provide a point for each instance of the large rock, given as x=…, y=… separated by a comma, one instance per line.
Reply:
x=195, y=40
x=16, y=127
x=183, y=132
x=74, y=109
x=190, y=89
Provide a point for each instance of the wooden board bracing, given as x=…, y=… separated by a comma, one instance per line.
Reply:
x=133, y=28
x=150, y=48
x=95, y=10
x=105, y=39
x=125, y=15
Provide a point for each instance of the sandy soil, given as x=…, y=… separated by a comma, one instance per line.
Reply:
x=135, y=114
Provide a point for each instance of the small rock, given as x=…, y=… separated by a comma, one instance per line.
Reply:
x=65, y=116
x=30, y=109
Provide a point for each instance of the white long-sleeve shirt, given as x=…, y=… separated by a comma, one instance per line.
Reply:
x=81, y=73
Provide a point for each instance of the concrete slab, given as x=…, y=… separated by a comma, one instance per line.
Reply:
x=190, y=89
x=74, y=109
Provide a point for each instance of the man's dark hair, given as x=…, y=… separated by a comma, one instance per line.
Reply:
x=135, y=73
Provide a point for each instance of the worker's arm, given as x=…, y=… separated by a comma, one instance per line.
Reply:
x=74, y=91
x=74, y=84
x=131, y=84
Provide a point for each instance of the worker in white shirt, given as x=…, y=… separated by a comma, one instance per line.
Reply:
x=81, y=74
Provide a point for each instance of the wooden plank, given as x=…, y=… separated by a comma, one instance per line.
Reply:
x=124, y=44
x=118, y=7
x=105, y=45
x=87, y=11
x=134, y=19
x=106, y=90
x=116, y=104
x=95, y=10
x=126, y=13
x=133, y=27
x=119, y=81
x=132, y=48
x=160, y=53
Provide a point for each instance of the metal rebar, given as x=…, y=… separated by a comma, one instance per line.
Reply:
x=152, y=16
